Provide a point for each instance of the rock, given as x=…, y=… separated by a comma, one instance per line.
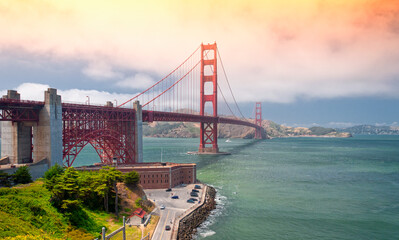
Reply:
x=188, y=224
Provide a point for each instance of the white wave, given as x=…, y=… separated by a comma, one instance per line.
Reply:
x=204, y=230
x=207, y=233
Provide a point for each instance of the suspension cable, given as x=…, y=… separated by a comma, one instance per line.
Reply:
x=227, y=80
x=220, y=90
x=173, y=84
x=161, y=79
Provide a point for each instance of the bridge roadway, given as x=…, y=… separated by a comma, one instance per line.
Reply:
x=22, y=110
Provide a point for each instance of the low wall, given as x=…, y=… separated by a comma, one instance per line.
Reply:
x=189, y=223
x=36, y=170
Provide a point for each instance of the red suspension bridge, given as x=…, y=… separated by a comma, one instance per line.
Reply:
x=188, y=94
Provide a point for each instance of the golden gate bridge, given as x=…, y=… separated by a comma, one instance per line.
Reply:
x=187, y=94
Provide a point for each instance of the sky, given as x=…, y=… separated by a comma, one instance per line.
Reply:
x=310, y=62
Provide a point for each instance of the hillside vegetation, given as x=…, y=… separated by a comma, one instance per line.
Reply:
x=70, y=204
x=272, y=129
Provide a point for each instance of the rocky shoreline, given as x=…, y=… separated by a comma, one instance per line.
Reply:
x=189, y=223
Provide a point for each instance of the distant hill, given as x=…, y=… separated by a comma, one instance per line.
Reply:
x=273, y=130
x=371, y=130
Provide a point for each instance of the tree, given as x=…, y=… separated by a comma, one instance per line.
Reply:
x=54, y=171
x=65, y=192
x=22, y=175
x=132, y=178
x=109, y=178
x=52, y=176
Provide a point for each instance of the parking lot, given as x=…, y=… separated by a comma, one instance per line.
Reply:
x=173, y=207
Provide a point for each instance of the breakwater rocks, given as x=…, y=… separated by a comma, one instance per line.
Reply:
x=188, y=224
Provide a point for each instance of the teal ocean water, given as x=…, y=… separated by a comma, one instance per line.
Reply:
x=294, y=188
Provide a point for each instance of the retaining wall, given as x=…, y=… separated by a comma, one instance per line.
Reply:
x=189, y=223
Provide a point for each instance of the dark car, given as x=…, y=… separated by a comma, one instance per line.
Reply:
x=175, y=197
x=169, y=190
x=194, y=194
x=190, y=201
x=167, y=228
x=194, y=199
x=197, y=187
x=194, y=190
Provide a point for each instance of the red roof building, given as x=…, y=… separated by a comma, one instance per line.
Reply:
x=139, y=212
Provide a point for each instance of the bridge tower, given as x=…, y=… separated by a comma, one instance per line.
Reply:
x=258, y=119
x=208, y=130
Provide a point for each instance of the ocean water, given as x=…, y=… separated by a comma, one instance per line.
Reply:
x=293, y=188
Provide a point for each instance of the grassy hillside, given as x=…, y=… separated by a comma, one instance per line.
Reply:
x=26, y=212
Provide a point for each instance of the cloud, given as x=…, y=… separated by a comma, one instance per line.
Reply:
x=275, y=51
x=138, y=81
x=101, y=71
x=35, y=92
x=32, y=91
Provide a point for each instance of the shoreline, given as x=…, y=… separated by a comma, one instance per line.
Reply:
x=188, y=224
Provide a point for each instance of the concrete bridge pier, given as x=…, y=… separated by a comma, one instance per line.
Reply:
x=47, y=134
x=16, y=137
x=138, y=135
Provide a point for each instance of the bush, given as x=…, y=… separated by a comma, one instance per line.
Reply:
x=127, y=209
x=138, y=202
x=22, y=175
x=132, y=178
x=5, y=179
x=54, y=171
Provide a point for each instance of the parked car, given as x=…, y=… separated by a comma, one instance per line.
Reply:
x=190, y=201
x=194, y=190
x=197, y=187
x=175, y=197
x=167, y=228
x=194, y=194
x=169, y=190
x=162, y=207
x=194, y=199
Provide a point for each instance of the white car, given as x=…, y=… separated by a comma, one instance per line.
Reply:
x=162, y=207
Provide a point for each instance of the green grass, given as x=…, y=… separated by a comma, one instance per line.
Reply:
x=28, y=209
x=26, y=213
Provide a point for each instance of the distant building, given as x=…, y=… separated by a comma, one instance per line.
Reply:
x=159, y=175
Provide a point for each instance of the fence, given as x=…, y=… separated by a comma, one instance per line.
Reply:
x=146, y=237
x=123, y=228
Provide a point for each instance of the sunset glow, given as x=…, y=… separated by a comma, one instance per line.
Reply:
x=309, y=49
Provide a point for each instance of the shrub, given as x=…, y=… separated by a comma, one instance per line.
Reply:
x=127, y=209
x=138, y=202
x=54, y=171
x=132, y=178
x=22, y=175
x=5, y=179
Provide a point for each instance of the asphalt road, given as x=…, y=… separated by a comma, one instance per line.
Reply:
x=173, y=207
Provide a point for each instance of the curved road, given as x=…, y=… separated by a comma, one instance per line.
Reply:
x=173, y=207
